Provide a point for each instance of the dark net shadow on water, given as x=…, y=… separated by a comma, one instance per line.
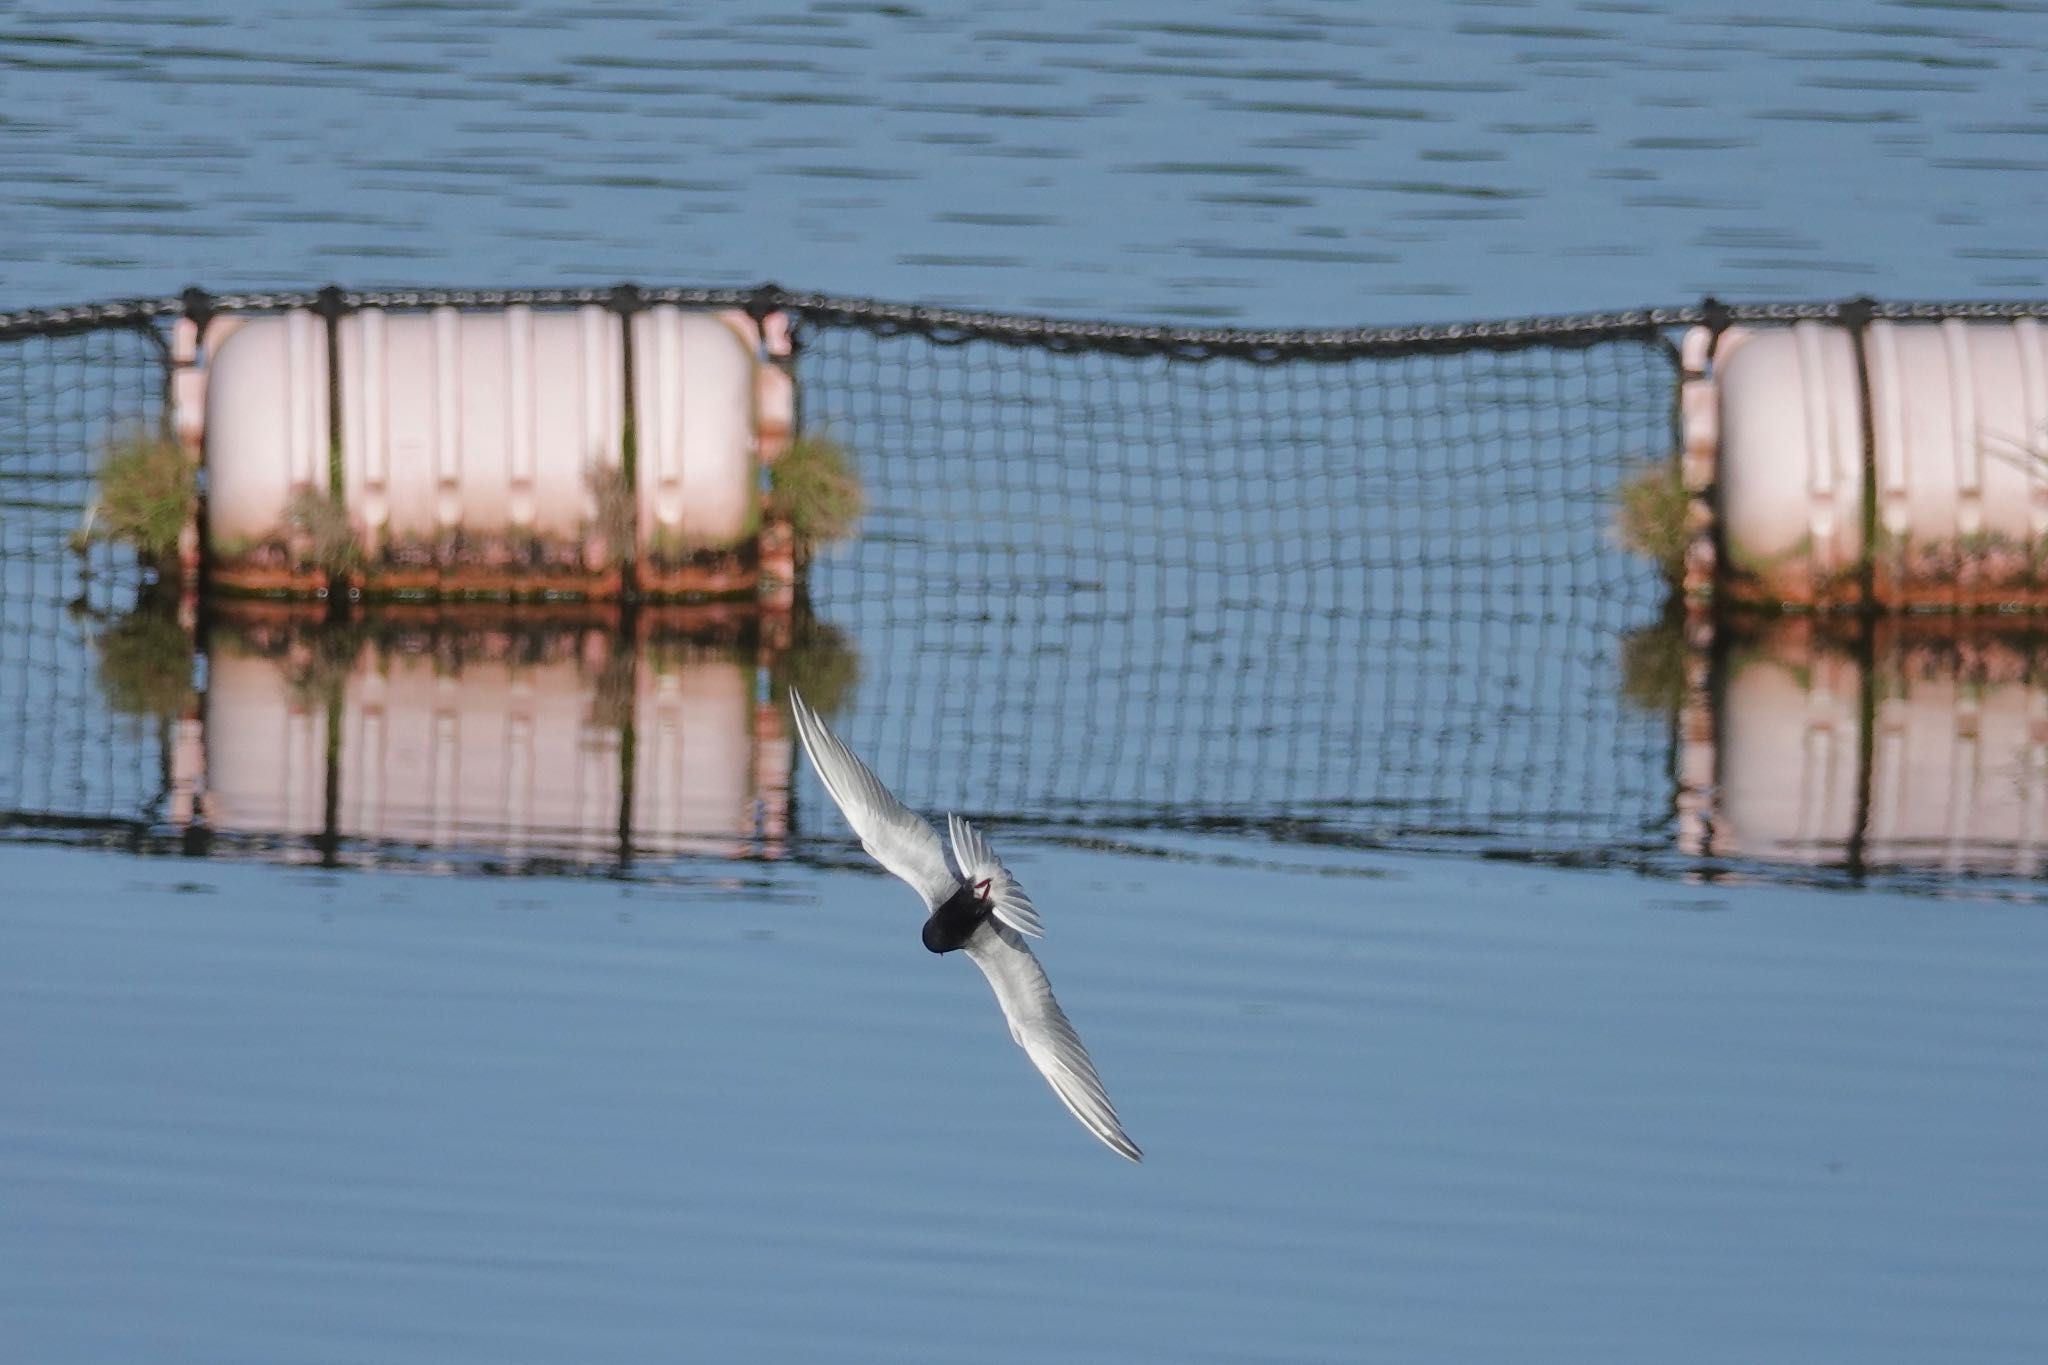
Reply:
x=1209, y=608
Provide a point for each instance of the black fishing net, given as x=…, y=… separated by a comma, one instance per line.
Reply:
x=1358, y=587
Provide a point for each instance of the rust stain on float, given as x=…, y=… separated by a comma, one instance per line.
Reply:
x=708, y=574
x=1984, y=572
x=252, y=577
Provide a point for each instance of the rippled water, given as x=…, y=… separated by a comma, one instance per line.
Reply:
x=696, y=1091
x=1299, y=162
x=1416, y=1110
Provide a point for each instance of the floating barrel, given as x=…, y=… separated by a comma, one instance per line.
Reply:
x=488, y=452
x=1912, y=457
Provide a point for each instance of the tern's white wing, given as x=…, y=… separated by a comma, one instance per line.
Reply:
x=1040, y=1027
x=978, y=862
x=893, y=834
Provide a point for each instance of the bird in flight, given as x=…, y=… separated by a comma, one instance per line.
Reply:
x=974, y=905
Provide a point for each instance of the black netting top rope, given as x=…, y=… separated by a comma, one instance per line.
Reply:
x=952, y=326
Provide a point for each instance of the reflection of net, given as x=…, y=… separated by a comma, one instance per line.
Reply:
x=63, y=752
x=1364, y=599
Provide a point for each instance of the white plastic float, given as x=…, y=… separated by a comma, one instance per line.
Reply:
x=1958, y=440
x=474, y=445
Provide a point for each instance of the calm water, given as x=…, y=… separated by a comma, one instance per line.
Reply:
x=1486, y=976
x=1297, y=162
x=1415, y=1110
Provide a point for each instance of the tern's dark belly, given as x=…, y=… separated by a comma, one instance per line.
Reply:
x=953, y=923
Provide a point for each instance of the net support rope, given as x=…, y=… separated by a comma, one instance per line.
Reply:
x=948, y=325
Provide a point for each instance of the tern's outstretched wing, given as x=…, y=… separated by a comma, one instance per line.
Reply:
x=1040, y=1027
x=978, y=863
x=893, y=834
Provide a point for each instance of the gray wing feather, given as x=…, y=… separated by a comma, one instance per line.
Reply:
x=1040, y=1027
x=894, y=835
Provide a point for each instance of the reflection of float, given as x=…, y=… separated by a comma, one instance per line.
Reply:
x=1923, y=746
x=532, y=741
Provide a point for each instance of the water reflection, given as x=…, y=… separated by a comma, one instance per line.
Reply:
x=1899, y=743
x=531, y=739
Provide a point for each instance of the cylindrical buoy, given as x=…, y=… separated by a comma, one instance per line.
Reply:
x=1905, y=461
x=487, y=452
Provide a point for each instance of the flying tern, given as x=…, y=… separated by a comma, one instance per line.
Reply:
x=974, y=905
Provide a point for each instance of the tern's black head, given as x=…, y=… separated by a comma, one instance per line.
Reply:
x=953, y=923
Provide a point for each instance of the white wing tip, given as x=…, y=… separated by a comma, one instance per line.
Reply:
x=1105, y=1126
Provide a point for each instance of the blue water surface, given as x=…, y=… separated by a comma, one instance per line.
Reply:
x=1403, y=1109
x=1395, y=1107
x=1312, y=161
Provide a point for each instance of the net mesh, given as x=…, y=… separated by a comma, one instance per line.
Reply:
x=70, y=748
x=1312, y=589
x=1373, y=599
